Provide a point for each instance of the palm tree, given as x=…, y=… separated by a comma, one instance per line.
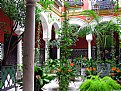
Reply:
x=102, y=31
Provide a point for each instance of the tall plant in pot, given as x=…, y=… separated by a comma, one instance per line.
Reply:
x=68, y=36
x=66, y=41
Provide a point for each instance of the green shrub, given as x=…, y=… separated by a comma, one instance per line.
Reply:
x=99, y=84
x=1, y=84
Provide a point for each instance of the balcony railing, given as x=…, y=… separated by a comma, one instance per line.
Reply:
x=102, y=4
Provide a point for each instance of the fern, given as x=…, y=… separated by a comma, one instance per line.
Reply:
x=84, y=86
x=97, y=84
x=112, y=83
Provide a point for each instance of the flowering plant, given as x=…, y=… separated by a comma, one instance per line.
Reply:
x=90, y=71
x=116, y=73
x=71, y=70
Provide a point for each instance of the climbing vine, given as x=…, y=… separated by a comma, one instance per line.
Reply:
x=68, y=37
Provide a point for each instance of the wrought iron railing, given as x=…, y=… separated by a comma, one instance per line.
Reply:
x=102, y=4
x=8, y=78
x=84, y=52
x=73, y=3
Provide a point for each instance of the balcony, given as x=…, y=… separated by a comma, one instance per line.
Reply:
x=102, y=4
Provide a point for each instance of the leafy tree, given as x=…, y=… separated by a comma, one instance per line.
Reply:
x=15, y=10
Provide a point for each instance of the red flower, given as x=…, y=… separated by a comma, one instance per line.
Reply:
x=113, y=68
x=89, y=69
x=112, y=74
x=71, y=64
x=118, y=70
x=94, y=69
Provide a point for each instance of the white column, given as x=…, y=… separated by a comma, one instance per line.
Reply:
x=89, y=7
x=1, y=52
x=19, y=31
x=46, y=48
x=58, y=53
x=19, y=52
x=89, y=39
x=89, y=49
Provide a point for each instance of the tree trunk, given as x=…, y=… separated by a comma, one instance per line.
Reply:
x=98, y=48
x=113, y=47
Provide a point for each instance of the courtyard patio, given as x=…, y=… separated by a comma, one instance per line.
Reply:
x=72, y=45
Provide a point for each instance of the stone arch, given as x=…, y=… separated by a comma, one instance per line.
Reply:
x=103, y=19
x=56, y=25
x=45, y=25
x=78, y=21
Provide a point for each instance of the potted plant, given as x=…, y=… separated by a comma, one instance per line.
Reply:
x=116, y=73
x=41, y=78
x=52, y=65
x=95, y=83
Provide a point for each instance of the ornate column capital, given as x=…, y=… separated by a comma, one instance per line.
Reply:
x=31, y=2
x=46, y=39
x=89, y=37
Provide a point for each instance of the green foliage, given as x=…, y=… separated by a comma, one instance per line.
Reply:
x=52, y=65
x=68, y=37
x=85, y=31
x=41, y=78
x=14, y=9
x=116, y=6
x=37, y=54
x=90, y=68
x=112, y=83
x=45, y=3
x=37, y=14
x=116, y=72
x=46, y=6
x=92, y=14
x=99, y=84
x=103, y=31
x=1, y=84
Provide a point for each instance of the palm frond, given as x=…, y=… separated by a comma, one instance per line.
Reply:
x=92, y=14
